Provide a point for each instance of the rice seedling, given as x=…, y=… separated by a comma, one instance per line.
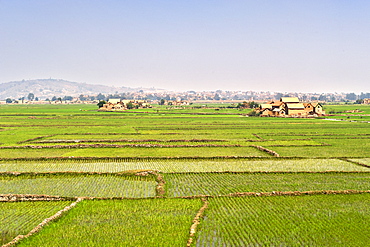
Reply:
x=179, y=165
x=319, y=220
x=79, y=185
x=159, y=222
x=191, y=184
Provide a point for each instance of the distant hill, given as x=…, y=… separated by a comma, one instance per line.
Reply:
x=47, y=88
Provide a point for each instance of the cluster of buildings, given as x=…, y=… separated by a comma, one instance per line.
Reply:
x=290, y=106
x=285, y=107
x=119, y=105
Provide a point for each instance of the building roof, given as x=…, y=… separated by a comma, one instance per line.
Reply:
x=114, y=101
x=263, y=106
x=295, y=106
x=289, y=99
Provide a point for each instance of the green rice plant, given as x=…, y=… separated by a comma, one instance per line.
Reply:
x=79, y=185
x=290, y=143
x=351, y=148
x=20, y=125
x=180, y=165
x=18, y=218
x=319, y=220
x=166, y=152
x=191, y=184
x=159, y=222
x=32, y=153
x=364, y=109
x=133, y=152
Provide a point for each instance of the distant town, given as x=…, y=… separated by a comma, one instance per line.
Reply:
x=59, y=91
x=178, y=98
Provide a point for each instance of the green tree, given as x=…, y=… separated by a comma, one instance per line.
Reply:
x=242, y=105
x=253, y=104
x=130, y=105
x=8, y=100
x=67, y=98
x=101, y=103
x=30, y=96
x=82, y=97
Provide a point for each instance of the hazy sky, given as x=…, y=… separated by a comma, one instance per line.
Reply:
x=281, y=46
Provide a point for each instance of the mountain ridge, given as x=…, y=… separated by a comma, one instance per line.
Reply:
x=46, y=88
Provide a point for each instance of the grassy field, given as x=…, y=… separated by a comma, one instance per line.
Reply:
x=146, y=157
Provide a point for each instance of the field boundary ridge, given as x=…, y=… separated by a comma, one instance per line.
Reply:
x=196, y=221
x=31, y=197
x=43, y=223
x=263, y=149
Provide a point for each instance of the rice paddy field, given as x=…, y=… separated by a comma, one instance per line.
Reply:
x=72, y=176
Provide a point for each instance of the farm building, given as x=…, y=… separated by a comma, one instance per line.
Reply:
x=290, y=106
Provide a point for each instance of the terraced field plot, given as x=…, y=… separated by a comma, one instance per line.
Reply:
x=181, y=165
x=121, y=223
x=79, y=185
x=336, y=148
x=320, y=220
x=225, y=183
